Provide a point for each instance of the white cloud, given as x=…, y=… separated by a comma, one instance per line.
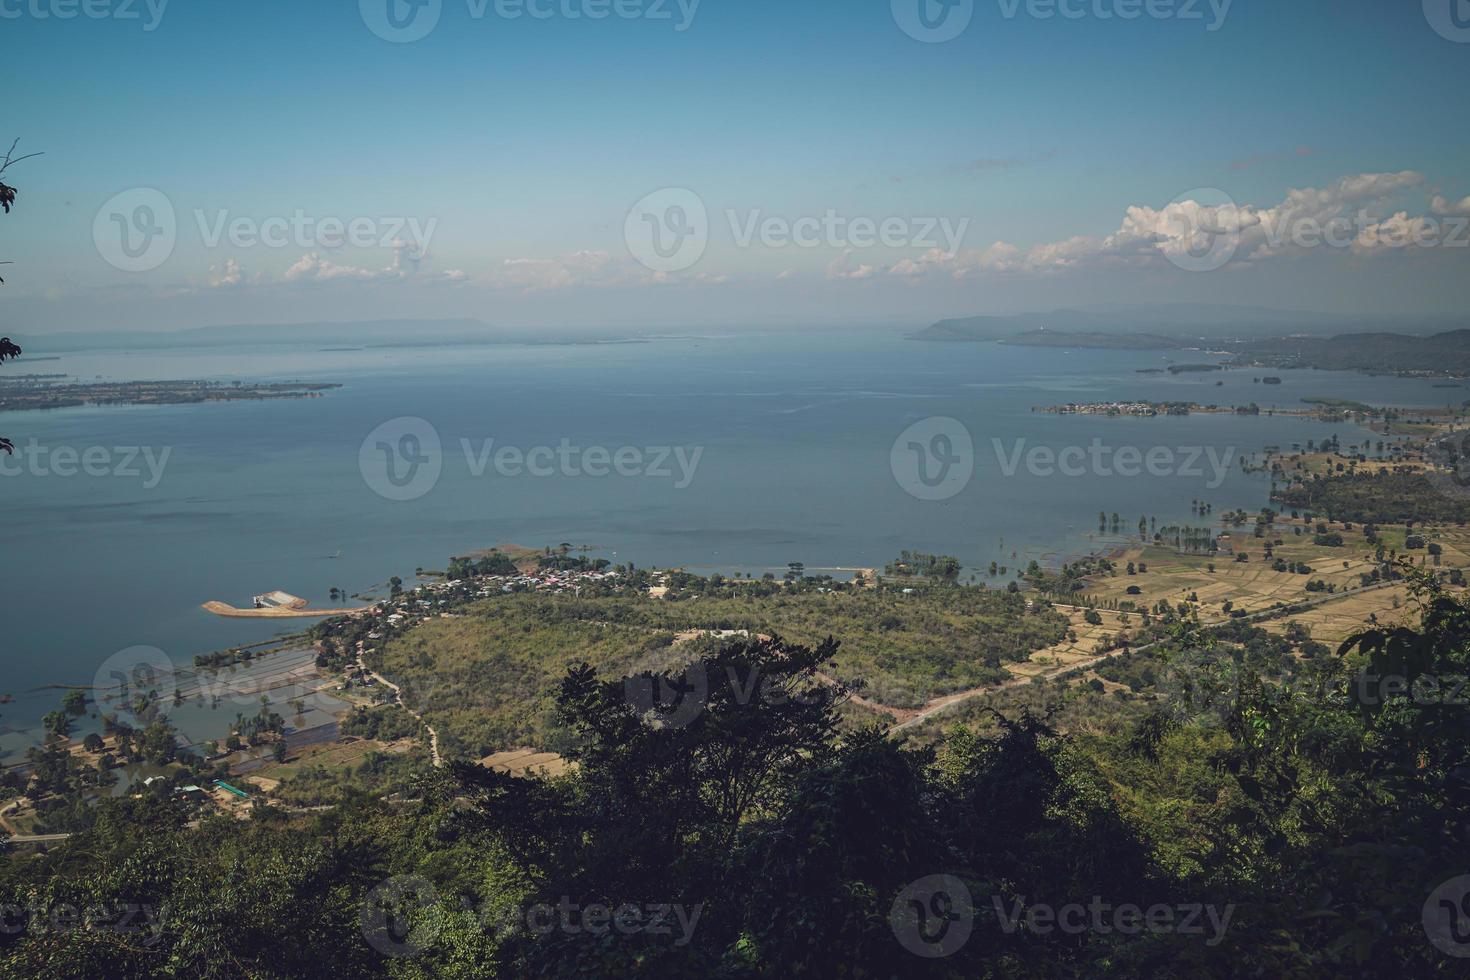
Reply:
x=311, y=267
x=845, y=266
x=1148, y=235
x=1365, y=210
x=582, y=268
x=591, y=269
x=1444, y=208
x=225, y=275
x=999, y=257
x=1055, y=256
x=1396, y=232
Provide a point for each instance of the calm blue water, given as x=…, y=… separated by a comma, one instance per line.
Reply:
x=796, y=432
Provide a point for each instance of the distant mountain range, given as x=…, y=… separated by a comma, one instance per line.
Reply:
x=1436, y=346
x=1171, y=325
x=1109, y=341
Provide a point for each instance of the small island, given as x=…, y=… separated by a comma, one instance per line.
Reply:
x=1145, y=409
x=29, y=392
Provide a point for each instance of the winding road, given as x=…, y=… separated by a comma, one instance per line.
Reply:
x=398, y=700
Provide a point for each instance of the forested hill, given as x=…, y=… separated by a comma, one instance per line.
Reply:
x=1442, y=354
x=1185, y=324
x=1446, y=353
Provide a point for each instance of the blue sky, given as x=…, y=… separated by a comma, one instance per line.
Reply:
x=517, y=146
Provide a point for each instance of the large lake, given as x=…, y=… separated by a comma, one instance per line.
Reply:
x=796, y=432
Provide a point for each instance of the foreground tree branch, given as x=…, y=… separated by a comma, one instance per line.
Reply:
x=9, y=351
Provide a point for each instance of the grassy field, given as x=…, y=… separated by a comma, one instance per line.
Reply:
x=321, y=773
x=334, y=756
x=1330, y=464
x=487, y=680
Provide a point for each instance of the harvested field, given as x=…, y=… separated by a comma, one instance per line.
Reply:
x=1086, y=647
x=1253, y=585
x=1333, y=622
x=520, y=762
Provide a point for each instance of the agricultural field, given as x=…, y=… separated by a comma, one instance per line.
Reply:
x=1254, y=585
x=1333, y=622
x=1087, y=646
x=521, y=762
